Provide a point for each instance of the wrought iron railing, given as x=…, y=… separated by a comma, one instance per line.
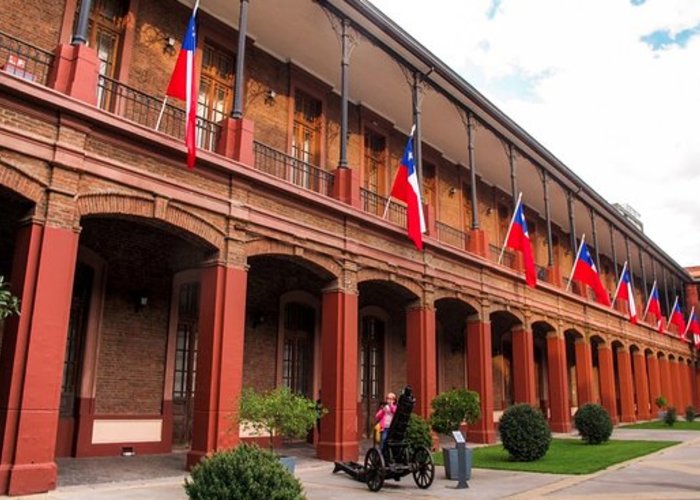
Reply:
x=451, y=236
x=508, y=256
x=24, y=60
x=144, y=109
x=374, y=204
x=298, y=172
x=541, y=272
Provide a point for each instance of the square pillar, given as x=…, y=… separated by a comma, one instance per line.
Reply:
x=236, y=140
x=219, y=360
x=654, y=381
x=606, y=377
x=339, y=392
x=480, y=378
x=346, y=186
x=554, y=275
x=676, y=386
x=696, y=386
x=478, y=243
x=75, y=72
x=624, y=368
x=641, y=386
x=560, y=419
x=421, y=357
x=33, y=353
x=584, y=372
x=523, y=367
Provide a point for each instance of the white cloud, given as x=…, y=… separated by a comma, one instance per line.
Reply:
x=622, y=116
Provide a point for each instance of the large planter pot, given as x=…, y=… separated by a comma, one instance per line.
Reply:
x=289, y=463
x=451, y=461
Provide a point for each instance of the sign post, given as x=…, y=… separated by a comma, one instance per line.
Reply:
x=461, y=460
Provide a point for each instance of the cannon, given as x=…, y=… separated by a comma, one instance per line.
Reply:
x=396, y=459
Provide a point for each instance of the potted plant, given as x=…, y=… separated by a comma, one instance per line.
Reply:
x=661, y=404
x=450, y=410
x=8, y=302
x=279, y=412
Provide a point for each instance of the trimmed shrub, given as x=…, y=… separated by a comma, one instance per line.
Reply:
x=246, y=473
x=453, y=407
x=660, y=402
x=671, y=416
x=524, y=433
x=690, y=414
x=418, y=433
x=593, y=423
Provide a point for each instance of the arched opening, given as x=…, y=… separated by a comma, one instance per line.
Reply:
x=574, y=366
x=502, y=324
x=451, y=352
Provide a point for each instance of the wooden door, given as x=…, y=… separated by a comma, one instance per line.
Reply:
x=185, y=363
x=371, y=371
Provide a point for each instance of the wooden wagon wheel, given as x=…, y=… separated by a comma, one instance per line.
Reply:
x=423, y=468
x=374, y=469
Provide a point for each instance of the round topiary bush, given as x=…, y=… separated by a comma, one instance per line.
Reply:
x=246, y=473
x=593, y=423
x=524, y=433
x=671, y=416
x=418, y=433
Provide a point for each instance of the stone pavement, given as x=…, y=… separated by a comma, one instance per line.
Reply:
x=673, y=473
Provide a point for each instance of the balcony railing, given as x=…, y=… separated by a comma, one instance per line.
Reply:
x=377, y=205
x=24, y=60
x=508, y=256
x=451, y=236
x=144, y=109
x=298, y=172
x=541, y=272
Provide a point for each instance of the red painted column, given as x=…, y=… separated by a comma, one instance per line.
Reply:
x=606, y=376
x=523, y=367
x=624, y=368
x=641, y=385
x=654, y=381
x=219, y=360
x=32, y=358
x=584, y=372
x=675, y=385
x=480, y=378
x=420, y=357
x=683, y=384
x=560, y=419
x=696, y=386
x=339, y=340
x=665, y=375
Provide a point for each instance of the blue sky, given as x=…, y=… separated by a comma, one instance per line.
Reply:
x=611, y=87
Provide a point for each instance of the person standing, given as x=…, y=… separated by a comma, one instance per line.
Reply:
x=385, y=415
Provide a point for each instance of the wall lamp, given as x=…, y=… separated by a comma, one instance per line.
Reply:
x=270, y=97
x=169, y=45
x=140, y=301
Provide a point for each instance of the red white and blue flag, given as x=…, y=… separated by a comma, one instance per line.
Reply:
x=518, y=238
x=693, y=328
x=586, y=271
x=183, y=85
x=677, y=317
x=625, y=292
x=654, y=307
x=406, y=189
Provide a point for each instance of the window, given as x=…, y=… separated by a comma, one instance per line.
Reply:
x=375, y=163
x=215, y=91
x=186, y=342
x=297, y=355
x=306, y=136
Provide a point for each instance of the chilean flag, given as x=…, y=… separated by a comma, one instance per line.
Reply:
x=624, y=291
x=677, y=317
x=585, y=270
x=693, y=327
x=654, y=307
x=519, y=239
x=183, y=85
x=406, y=189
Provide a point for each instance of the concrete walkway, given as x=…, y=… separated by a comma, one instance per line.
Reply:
x=673, y=473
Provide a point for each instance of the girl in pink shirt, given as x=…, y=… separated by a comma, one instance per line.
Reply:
x=385, y=415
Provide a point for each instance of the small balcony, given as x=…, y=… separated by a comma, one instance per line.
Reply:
x=24, y=60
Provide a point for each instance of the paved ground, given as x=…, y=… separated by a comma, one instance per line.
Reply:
x=673, y=473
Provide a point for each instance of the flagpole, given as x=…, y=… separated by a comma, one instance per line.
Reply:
x=690, y=318
x=651, y=294
x=512, y=220
x=160, y=115
x=578, y=254
x=388, y=200
x=673, y=309
x=622, y=275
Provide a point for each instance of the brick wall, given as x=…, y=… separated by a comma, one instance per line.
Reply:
x=35, y=21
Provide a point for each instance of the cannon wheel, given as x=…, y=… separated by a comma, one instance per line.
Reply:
x=423, y=467
x=374, y=469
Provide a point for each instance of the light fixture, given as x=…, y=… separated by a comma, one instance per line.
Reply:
x=169, y=45
x=140, y=301
x=452, y=191
x=270, y=97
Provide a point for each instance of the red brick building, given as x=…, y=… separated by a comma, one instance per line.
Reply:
x=271, y=263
